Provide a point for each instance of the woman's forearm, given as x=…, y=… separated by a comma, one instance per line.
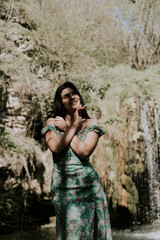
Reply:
x=82, y=149
x=66, y=138
x=58, y=143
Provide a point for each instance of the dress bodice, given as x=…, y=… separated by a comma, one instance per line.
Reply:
x=67, y=160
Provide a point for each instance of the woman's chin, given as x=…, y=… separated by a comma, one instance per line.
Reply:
x=75, y=105
x=74, y=108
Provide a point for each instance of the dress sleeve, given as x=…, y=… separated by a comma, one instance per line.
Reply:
x=97, y=129
x=48, y=128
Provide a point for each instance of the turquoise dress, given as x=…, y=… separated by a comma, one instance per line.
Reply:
x=77, y=194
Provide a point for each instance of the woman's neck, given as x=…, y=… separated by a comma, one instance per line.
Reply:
x=69, y=119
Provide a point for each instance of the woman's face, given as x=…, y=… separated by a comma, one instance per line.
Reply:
x=70, y=99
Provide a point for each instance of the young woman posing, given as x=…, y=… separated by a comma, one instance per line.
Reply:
x=79, y=200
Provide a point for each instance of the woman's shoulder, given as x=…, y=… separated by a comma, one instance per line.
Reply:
x=49, y=126
x=93, y=125
x=91, y=121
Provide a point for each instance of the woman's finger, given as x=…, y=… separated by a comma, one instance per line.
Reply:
x=58, y=117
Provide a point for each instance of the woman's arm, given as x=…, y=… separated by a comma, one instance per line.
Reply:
x=57, y=143
x=85, y=148
x=60, y=123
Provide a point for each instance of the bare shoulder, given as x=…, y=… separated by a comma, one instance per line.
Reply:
x=50, y=121
x=91, y=121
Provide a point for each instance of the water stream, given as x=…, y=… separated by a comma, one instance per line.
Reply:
x=49, y=233
x=152, y=156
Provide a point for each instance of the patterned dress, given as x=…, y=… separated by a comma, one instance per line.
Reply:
x=77, y=194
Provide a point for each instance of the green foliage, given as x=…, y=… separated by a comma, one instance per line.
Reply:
x=102, y=90
x=9, y=144
x=68, y=44
x=16, y=147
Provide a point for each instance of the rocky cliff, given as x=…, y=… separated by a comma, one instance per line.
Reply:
x=25, y=170
x=129, y=154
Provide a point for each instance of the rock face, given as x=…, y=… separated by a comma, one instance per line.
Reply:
x=24, y=169
x=15, y=116
x=129, y=154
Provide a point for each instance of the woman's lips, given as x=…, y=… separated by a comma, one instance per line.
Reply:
x=73, y=102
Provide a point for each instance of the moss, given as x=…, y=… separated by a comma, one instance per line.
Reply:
x=16, y=147
x=9, y=143
x=135, y=168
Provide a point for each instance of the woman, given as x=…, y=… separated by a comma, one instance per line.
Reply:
x=80, y=203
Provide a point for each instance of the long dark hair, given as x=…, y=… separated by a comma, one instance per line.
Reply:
x=59, y=109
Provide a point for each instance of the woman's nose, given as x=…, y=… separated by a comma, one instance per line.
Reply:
x=72, y=96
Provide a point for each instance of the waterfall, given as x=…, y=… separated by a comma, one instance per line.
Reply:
x=157, y=127
x=151, y=157
x=158, y=158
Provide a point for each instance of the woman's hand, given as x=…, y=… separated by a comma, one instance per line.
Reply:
x=60, y=123
x=78, y=120
x=85, y=148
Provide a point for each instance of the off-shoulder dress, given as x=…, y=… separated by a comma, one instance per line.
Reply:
x=77, y=194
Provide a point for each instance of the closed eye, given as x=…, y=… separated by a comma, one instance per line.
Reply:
x=68, y=95
x=73, y=93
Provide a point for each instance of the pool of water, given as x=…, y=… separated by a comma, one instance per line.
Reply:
x=41, y=234
x=49, y=233
x=137, y=235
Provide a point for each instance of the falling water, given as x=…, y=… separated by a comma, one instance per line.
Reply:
x=157, y=127
x=158, y=158
x=151, y=158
